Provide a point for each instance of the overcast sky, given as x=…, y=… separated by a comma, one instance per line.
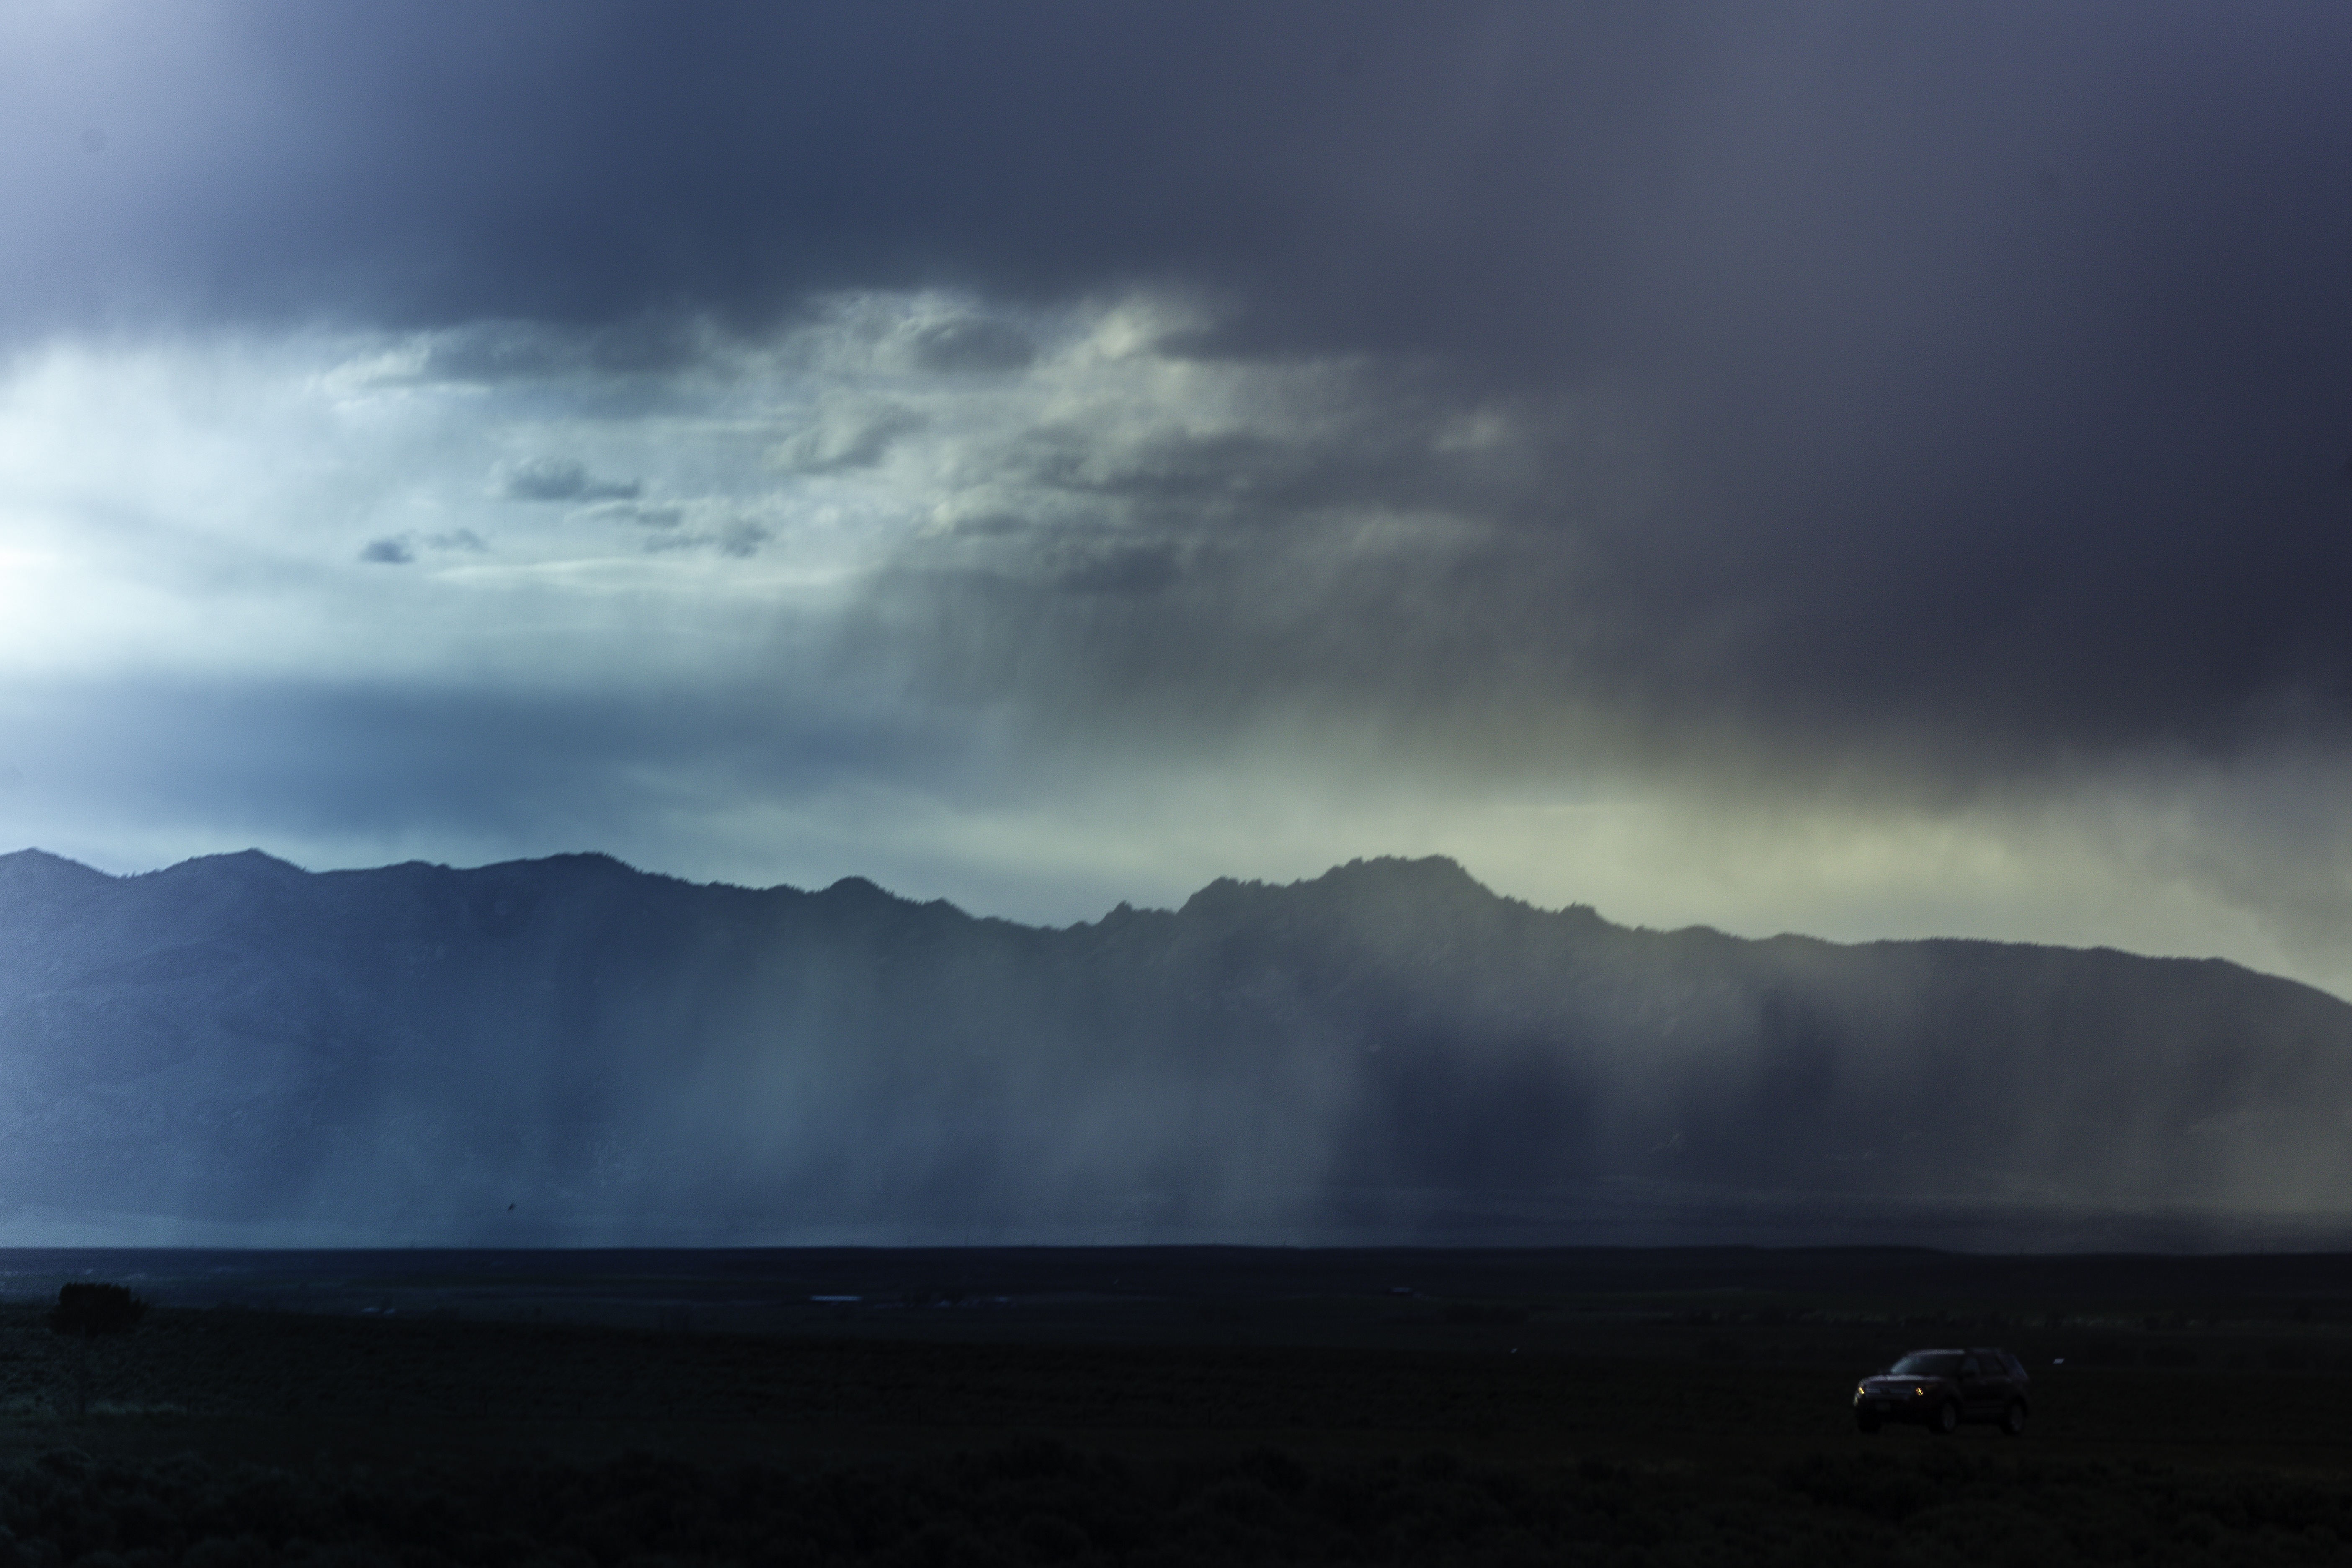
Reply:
x=1872, y=471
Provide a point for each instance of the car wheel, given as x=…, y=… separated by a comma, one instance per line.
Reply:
x=1865, y=1423
x=2013, y=1420
x=1946, y=1419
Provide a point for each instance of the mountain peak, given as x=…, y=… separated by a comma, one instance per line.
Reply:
x=243, y=862
x=1429, y=874
x=39, y=870
x=1432, y=884
x=580, y=864
x=29, y=856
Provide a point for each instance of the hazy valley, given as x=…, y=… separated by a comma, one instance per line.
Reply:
x=567, y=1050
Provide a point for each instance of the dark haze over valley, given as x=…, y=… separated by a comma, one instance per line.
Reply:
x=569, y=1051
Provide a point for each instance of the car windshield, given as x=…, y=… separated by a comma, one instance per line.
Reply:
x=1944, y=1365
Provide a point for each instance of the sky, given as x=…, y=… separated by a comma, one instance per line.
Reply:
x=1876, y=471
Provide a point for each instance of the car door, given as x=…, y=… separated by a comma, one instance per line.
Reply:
x=1984, y=1384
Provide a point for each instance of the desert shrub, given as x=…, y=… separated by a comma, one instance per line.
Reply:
x=89, y=1310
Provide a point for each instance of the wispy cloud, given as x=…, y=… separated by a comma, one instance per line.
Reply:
x=399, y=549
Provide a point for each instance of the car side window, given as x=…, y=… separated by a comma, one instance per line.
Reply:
x=1968, y=1367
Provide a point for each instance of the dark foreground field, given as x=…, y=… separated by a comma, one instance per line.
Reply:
x=1173, y=1407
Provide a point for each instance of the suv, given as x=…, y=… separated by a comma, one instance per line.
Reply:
x=1940, y=1389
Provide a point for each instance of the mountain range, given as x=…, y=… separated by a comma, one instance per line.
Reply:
x=568, y=1050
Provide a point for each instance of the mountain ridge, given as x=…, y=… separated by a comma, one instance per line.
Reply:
x=1379, y=1051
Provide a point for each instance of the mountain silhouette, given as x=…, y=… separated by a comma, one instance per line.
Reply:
x=1389, y=1051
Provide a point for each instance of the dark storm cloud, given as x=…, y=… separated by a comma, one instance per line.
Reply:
x=1123, y=569
x=387, y=552
x=1993, y=360
x=1997, y=375
x=561, y=479
x=437, y=165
